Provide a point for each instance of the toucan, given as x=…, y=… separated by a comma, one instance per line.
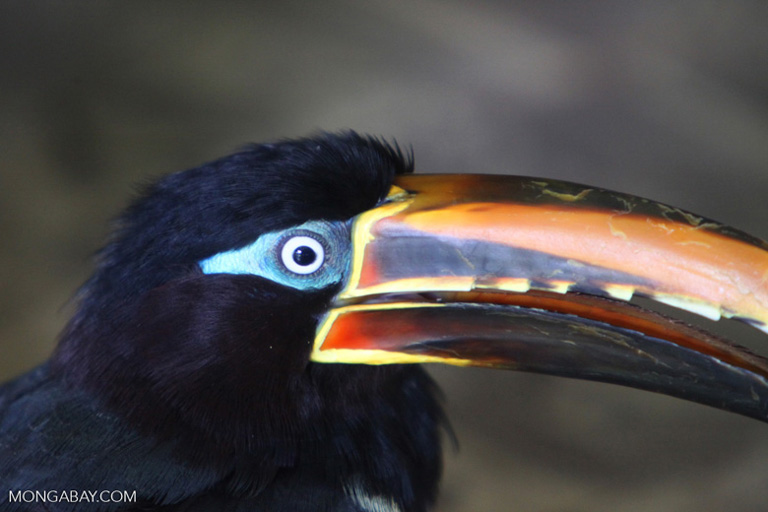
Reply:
x=250, y=339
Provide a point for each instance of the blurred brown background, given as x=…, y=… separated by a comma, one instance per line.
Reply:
x=664, y=100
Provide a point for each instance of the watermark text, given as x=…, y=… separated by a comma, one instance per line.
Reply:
x=70, y=496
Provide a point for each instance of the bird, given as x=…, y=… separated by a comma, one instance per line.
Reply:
x=253, y=332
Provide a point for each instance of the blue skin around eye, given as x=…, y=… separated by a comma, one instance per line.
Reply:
x=262, y=257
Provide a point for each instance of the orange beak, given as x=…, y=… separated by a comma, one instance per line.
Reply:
x=535, y=275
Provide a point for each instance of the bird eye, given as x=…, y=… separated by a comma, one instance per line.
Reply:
x=302, y=254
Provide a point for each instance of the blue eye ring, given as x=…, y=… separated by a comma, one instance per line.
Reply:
x=302, y=254
x=309, y=256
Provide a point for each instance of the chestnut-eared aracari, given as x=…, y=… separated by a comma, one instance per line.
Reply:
x=246, y=341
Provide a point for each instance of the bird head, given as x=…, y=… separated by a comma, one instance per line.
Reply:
x=197, y=326
x=274, y=300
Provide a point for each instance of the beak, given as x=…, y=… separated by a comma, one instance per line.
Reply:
x=526, y=274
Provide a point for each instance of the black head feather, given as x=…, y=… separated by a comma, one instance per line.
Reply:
x=226, y=204
x=219, y=364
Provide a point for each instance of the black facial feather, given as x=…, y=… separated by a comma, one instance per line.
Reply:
x=215, y=368
x=226, y=204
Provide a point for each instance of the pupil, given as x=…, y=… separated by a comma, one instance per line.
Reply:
x=304, y=256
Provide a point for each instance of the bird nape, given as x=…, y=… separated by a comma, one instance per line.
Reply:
x=245, y=341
